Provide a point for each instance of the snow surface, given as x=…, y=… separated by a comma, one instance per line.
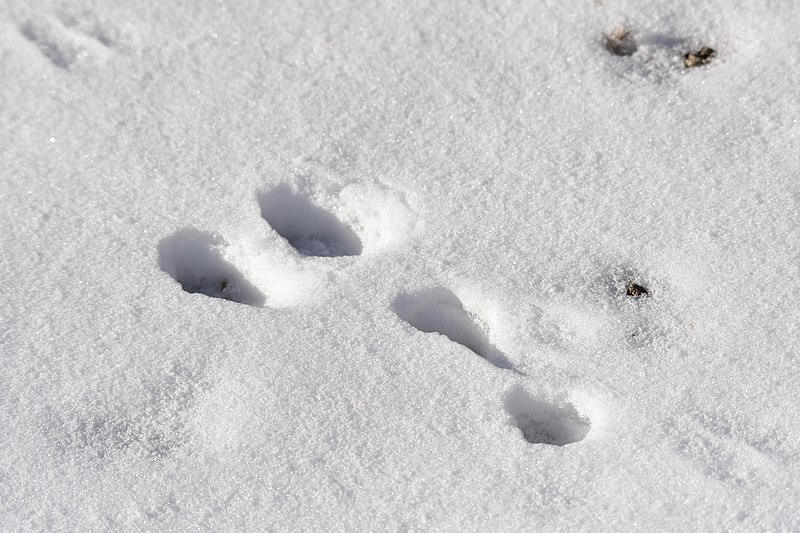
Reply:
x=404, y=230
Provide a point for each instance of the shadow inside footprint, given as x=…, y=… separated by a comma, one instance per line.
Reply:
x=438, y=310
x=192, y=258
x=545, y=423
x=42, y=35
x=309, y=229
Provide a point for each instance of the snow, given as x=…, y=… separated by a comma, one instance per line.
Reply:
x=363, y=266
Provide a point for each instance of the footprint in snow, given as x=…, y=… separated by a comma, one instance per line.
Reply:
x=540, y=420
x=438, y=310
x=195, y=260
x=545, y=422
x=309, y=229
x=374, y=217
x=73, y=40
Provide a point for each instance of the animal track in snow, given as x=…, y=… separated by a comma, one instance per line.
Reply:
x=42, y=35
x=362, y=219
x=69, y=40
x=194, y=259
x=310, y=230
x=438, y=310
x=200, y=261
x=542, y=422
x=87, y=23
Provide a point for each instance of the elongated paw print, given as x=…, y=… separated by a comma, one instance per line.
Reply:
x=71, y=39
x=438, y=310
x=309, y=229
x=540, y=420
x=195, y=259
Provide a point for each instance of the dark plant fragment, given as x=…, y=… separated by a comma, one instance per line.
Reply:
x=620, y=42
x=634, y=290
x=698, y=58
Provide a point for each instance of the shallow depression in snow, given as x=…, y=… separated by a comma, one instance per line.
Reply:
x=439, y=310
x=542, y=422
x=194, y=260
x=310, y=229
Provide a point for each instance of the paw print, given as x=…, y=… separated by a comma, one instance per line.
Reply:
x=304, y=235
x=309, y=229
x=306, y=241
x=73, y=39
x=313, y=233
x=539, y=419
x=195, y=259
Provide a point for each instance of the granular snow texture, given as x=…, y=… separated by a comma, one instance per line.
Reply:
x=292, y=266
